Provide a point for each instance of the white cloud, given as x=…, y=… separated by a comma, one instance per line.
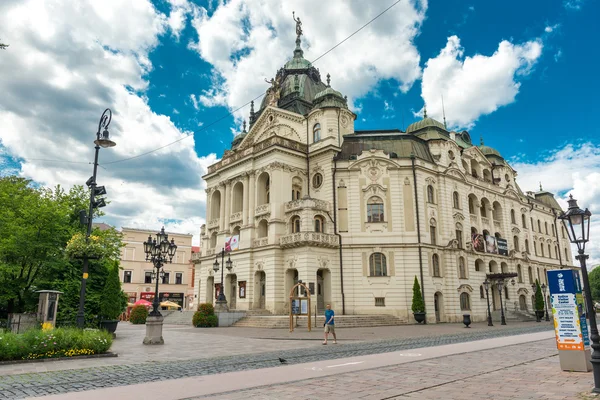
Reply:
x=558, y=55
x=573, y=4
x=551, y=28
x=178, y=16
x=194, y=101
x=475, y=85
x=69, y=70
x=249, y=40
x=573, y=169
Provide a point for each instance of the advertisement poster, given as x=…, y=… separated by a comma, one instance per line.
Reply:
x=502, y=246
x=478, y=242
x=296, y=306
x=567, y=310
x=232, y=243
x=490, y=244
x=304, y=306
x=242, y=288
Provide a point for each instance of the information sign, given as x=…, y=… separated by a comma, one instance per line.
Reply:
x=568, y=311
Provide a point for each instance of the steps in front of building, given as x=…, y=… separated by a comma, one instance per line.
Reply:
x=510, y=315
x=341, y=321
x=178, y=317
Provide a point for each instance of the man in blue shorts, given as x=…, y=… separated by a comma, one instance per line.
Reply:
x=329, y=324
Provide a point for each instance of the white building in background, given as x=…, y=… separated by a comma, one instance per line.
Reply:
x=358, y=214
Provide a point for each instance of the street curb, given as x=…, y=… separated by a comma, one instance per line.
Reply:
x=103, y=355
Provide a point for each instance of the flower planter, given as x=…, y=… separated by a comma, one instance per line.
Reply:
x=110, y=326
x=419, y=316
x=467, y=320
x=538, y=315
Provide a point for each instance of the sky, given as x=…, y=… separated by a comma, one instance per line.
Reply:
x=179, y=74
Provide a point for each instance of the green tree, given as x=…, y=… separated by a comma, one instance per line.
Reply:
x=539, y=298
x=417, y=301
x=594, y=278
x=114, y=300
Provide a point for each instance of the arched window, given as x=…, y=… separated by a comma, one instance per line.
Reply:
x=497, y=212
x=531, y=223
x=539, y=226
x=462, y=270
x=552, y=230
x=377, y=265
x=527, y=246
x=519, y=274
x=516, y=242
x=566, y=255
x=546, y=227
x=455, y=200
x=530, y=274
x=295, y=223
x=316, y=132
x=435, y=260
x=549, y=253
x=506, y=294
x=562, y=229
x=503, y=267
x=213, y=240
x=479, y=265
x=263, y=228
x=483, y=209
x=465, y=302
x=430, y=194
x=432, y=229
x=535, y=247
x=513, y=219
x=215, y=205
x=375, y=210
x=319, y=224
x=263, y=195
x=556, y=252
x=296, y=188
x=471, y=205
x=542, y=249
x=481, y=292
x=237, y=198
x=523, y=221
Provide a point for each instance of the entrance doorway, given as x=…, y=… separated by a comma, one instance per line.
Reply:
x=323, y=289
x=438, y=306
x=232, y=295
x=522, y=303
x=260, y=289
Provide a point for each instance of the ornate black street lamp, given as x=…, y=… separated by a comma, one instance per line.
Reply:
x=577, y=224
x=545, y=302
x=486, y=285
x=500, y=284
x=102, y=140
x=222, y=301
x=159, y=251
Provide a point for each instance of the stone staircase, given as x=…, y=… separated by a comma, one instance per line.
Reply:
x=178, y=317
x=341, y=321
x=512, y=315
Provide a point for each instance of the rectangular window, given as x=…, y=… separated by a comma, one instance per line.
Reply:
x=126, y=276
x=433, y=235
x=178, y=278
x=165, y=278
x=148, y=277
x=375, y=213
x=459, y=238
x=379, y=301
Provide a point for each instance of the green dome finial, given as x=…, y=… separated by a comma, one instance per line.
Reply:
x=328, y=80
x=481, y=140
x=424, y=112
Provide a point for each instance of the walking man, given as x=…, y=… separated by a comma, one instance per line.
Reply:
x=329, y=324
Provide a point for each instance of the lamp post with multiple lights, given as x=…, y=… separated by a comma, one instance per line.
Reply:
x=500, y=285
x=486, y=285
x=577, y=223
x=544, y=287
x=102, y=140
x=222, y=300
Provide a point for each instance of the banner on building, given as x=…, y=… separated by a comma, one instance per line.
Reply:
x=478, y=242
x=491, y=246
x=232, y=243
x=568, y=311
x=502, y=246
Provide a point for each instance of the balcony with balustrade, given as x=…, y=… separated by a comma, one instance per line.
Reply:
x=307, y=203
x=309, y=239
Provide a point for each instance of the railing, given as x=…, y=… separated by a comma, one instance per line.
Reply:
x=485, y=221
x=235, y=217
x=196, y=257
x=260, y=242
x=309, y=239
x=497, y=224
x=262, y=209
x=307, y=203
x=213, y=223
x=210, y=252
x=474, y=220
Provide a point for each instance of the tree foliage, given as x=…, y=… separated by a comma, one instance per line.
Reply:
x=539, y=297
x=417, y=301
x=594, y=278
x=114, y=300
x=3, y=46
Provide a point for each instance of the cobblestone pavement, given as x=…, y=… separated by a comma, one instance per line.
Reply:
x=524, y=371
x=55, y=382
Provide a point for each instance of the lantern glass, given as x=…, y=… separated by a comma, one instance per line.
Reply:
x=228, y=263
x=172, y=248
x=216, y=266
x=486, y=284
x=160, y=236
x=499, y=284
x=164, y=247
x=155, y=249
x=577, y=224
x=148, y=245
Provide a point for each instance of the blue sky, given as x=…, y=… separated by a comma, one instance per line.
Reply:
x=520, y=74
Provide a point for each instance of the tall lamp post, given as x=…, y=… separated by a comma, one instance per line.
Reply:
x=222, y=300
x=577, y=224
x=545, y=302
x=102, y=140
x=486, y=285
x=158, y=251
x=500, y=284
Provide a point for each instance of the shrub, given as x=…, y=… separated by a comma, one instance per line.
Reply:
x=138, y=315
x=206, y=309
x=539, y=298
x=205, y=316
x=417, y=301
x=205, y=321
x=113, y=301
x=59, y=342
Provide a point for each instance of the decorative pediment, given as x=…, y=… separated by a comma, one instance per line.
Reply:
x=458, y=216
x=511, y=193
x=464, y=288
x=375, y=189
x=452, y=244
x=430, y=180
x=515, y=230
x=522, y=291
x=290, y=262
x=455, y=172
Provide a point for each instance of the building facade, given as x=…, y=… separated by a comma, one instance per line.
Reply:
x=136, y=272
x=357, y=215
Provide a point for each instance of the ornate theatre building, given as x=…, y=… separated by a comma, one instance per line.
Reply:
x=358, y=214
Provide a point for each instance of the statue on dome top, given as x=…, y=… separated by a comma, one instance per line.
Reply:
x=298, y=25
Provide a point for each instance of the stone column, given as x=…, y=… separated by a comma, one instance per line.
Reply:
x=245, y=202
x=227, y=204
x=251, y=199
x=208, y=202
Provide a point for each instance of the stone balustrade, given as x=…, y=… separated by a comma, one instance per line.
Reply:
x=260, y=242
x=213, y=223
x=309, y=239
x=235, y=217
x=262, y=209
x=210, y=252
x=196, y=257
x=315, y=204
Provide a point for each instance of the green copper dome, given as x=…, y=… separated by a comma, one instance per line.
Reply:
x=424, y=123
x=489, y=151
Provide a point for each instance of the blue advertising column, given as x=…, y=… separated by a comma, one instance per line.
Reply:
x=570, y=325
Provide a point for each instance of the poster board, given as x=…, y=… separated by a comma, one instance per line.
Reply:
x=491, y=246
x=242, y=289
x=502, y=246
x=478, y=242
x=299, y=305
